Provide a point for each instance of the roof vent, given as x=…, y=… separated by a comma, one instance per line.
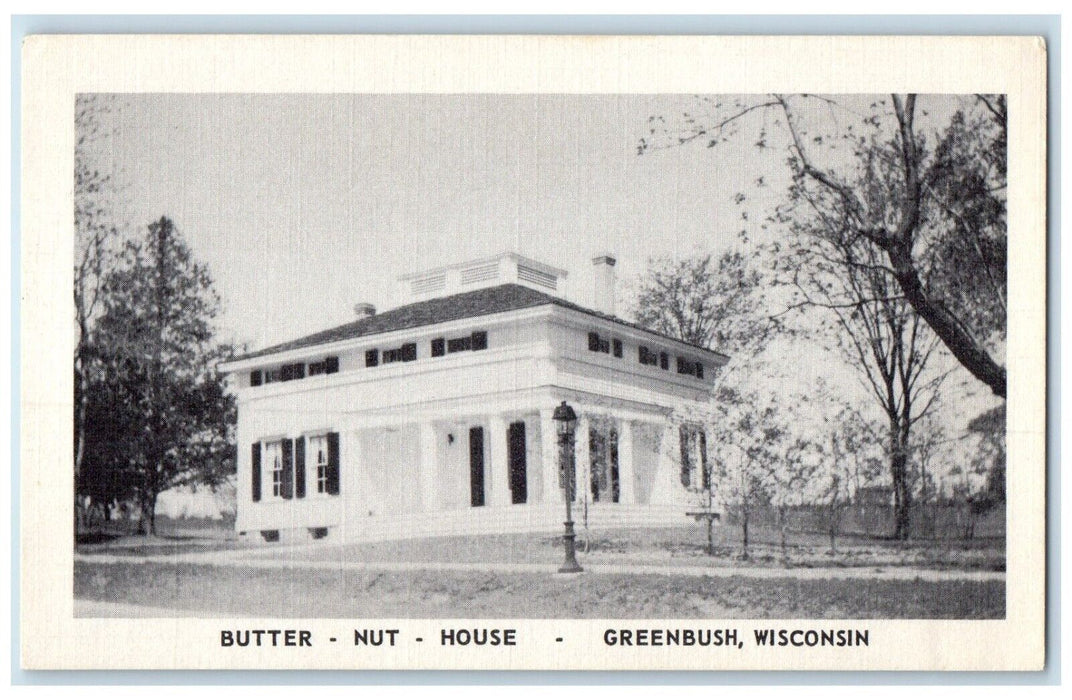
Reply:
x=364, y=310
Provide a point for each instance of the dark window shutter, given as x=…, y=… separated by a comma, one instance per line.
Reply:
x=288, y=469
x=333, y=464
x=703, y=461
x=255, y=378
x=686, y=461
x=372, y=358
x=480, y=340
x=699, y=370
x=593, y=342
x=439, y=347
x=255, y=469
x=664, y=361
x=331, y=365
x=617, y=348
x=299, y=468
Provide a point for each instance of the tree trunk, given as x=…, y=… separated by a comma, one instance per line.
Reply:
x=744, y=533
x=968, y=351
x=781, y=534
x=148, y=515
x=902, y=495
x=834, y=517
x=710, y=536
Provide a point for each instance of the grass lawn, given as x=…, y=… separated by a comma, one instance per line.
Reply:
x=683, y=546
x=237, y=591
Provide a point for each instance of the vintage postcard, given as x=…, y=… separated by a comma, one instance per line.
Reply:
x=504, y=352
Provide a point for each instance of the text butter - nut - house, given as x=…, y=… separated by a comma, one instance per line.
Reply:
x=436, y=417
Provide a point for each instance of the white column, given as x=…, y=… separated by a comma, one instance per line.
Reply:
x=583, y=459
x=667, y=480
x=549, y=457
x=497, y=470
x=626, y=472
x=428, y=474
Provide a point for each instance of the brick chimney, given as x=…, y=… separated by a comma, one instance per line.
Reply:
x=603, y=296
x=364, y=310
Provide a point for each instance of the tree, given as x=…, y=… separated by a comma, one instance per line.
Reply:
x=940, y=229
x=829, y=266
x=787, y=477
x=847, y=462
x=95, y=249
x=719, y=303
x=712, y=302
x=748, y=431
x=162, y=416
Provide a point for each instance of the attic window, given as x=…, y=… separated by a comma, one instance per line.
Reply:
x=664, y=361
x=477, y=340
x=329, y=365
x=647, y=357
x=598, y=344
x=689, y=367
x=372, y=358
x=406, y=353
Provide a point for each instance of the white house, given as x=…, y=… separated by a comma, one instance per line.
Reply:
x=436, y=417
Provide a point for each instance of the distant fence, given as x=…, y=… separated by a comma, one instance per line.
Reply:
x=944, y=521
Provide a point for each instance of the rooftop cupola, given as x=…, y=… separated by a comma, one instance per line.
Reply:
x=505, y=268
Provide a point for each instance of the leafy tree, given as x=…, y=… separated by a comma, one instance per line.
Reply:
x=787, y=475
x=712, y=302
x=829, y=266
x=96, y=243
x=846, y=440
x=749, y=433
x=938, y=228
x=161, y=415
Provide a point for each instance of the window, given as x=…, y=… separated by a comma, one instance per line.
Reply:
x=255, y=378
x=292, y=371
x=438, y=347
x=647, y=357
x=460, y=344
x=617, y=348
x=689, y=367
x=273, y=375
x=318, y=460
x=477, y=340
x=598, y=344
x=664, y=361
x=273, y=460
x=329, y=365
x=406, y=353
x=695, y=471
x=372, y=358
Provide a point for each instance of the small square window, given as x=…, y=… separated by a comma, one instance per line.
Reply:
x=372, y=358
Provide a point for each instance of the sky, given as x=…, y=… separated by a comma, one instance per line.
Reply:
x=303, y=205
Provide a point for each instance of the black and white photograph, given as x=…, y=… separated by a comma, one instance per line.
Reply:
x=573, y=371
x=363, y=356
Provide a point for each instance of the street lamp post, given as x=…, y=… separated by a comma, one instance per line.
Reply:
x=566, y=423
